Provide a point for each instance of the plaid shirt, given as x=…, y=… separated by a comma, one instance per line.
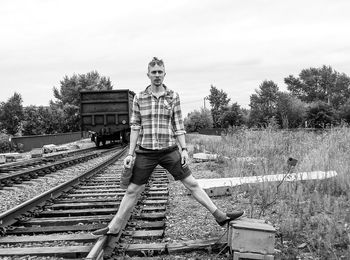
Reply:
x=159, y=119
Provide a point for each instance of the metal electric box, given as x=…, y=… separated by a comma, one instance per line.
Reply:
x=2, y=158
x=36, y=152
x=251, y=235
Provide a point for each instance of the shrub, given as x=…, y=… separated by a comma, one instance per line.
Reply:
x=5, y=145
x=197, y=120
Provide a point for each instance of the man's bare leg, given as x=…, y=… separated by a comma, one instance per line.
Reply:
x=202, y=197
x=126, y=205
x=198, y=193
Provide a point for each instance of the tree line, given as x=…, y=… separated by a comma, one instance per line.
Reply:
x=316, y=98
x=60, y=116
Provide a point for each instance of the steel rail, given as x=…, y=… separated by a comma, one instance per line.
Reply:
x=20, y=173
x=44, y=159
x=23, y=175
x=11, y=216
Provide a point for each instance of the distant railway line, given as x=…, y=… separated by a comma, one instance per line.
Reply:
x=20, y=172
x=18, y=165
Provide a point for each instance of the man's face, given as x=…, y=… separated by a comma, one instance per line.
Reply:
x=156, y=75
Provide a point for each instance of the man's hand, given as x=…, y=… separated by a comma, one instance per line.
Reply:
x=184, y=158
x=128, y=161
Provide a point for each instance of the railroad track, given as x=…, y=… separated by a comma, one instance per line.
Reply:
x=25, y=171
x=61, y=226
x=143, y=234
x=19, y=165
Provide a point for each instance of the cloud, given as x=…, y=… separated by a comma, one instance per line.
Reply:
x=234, y=45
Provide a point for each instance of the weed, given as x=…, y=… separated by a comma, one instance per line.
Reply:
x=311, y=216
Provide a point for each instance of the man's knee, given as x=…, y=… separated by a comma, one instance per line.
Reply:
x=134, y=189
x=190, y=183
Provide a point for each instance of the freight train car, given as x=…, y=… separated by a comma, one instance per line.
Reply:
x=106, y=115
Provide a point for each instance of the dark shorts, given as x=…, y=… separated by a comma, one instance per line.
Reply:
x=147, y=160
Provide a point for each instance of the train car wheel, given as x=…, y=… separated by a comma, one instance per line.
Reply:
x=97, y=142
x=127, y=137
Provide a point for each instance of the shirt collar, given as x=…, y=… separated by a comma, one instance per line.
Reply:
x=148, y=90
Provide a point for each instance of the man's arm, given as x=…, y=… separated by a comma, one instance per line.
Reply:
x=179, y=129
x=135, y=125
x=181, y=140
x=184, y=154
x=134, y=136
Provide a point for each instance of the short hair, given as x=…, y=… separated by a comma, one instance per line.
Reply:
x=155, y=61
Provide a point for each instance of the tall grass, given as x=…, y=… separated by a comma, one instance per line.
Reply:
x=311, y=217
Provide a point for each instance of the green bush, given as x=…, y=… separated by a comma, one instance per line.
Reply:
x=5, y=145
x=311, y=216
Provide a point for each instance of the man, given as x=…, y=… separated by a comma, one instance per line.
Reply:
x=157, y=127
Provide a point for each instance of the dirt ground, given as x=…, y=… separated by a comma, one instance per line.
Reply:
x=188, y=220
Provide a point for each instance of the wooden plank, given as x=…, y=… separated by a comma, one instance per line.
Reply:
x=224, y=186
x=41, y=251
x=91, y=187
x=47, y=238
x=252, y=224
x=93, y=182
x=116, y=174
x=83, y=200
x=157, y=202
x=80, y=212
x=139, y=258
x=159, y=182
x=145, y=233
x=112, y=190
x=158, y=188
x=55, y=229
x=160, y=179
x=106, y=178
x=163, y=184
x=160, y=173
x=65, y=220
x=200, y=244
x=93, y=212
x=136, y=249
x=110, y=194
x=142, y=224
x=154, y=215
x=84, y=205
x=158, y=193
x=148, y=233
x=153, y=208
x=164, y=197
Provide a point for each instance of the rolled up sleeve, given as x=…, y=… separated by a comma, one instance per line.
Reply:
x=177, y=122
x=135, y=122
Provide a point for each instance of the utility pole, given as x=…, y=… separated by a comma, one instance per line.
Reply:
x=204, y=101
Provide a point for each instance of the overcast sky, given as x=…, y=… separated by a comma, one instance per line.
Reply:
x=234, y=45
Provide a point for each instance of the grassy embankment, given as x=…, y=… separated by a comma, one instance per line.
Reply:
x=311, y=217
